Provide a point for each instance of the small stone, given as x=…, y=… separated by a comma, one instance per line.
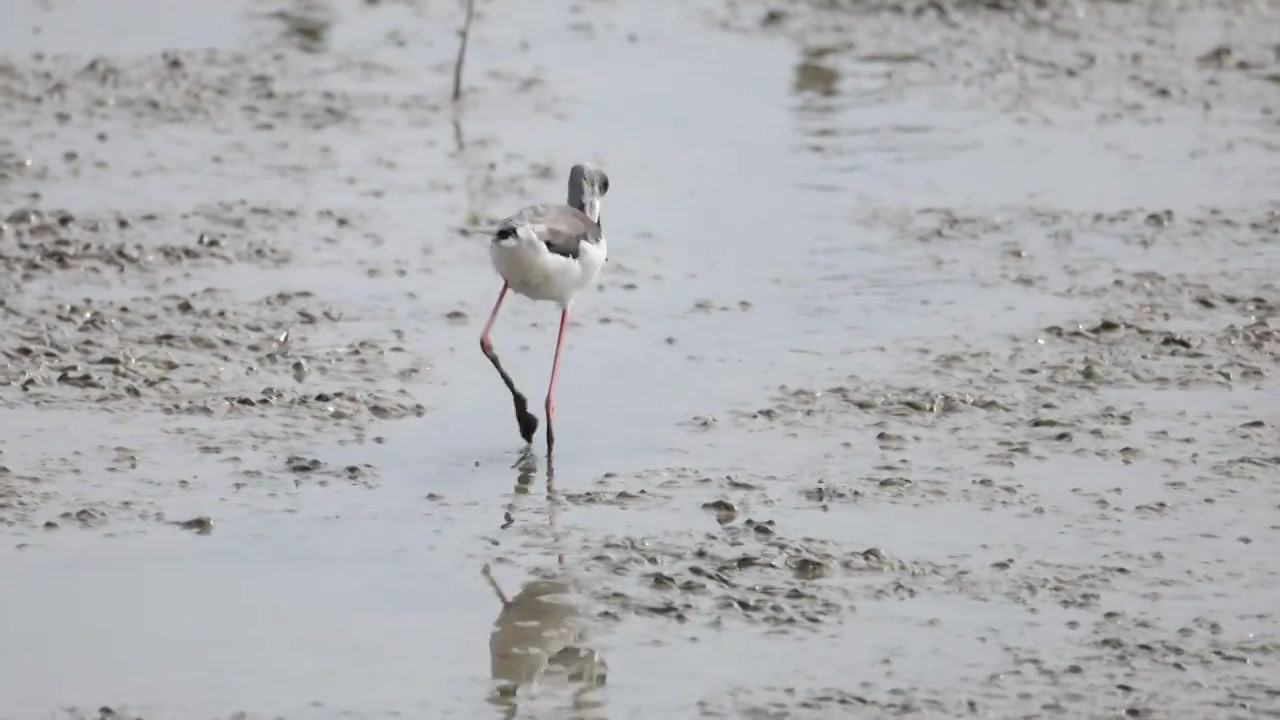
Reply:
x=663, y=581
x=201, y=525
x=725, y=511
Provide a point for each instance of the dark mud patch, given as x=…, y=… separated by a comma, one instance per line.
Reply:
x=262, y=89
x=749, y=572
x=1110, y=464
x=40, y=243
x=1119, y=59
x=166, y=352
x=310, y=469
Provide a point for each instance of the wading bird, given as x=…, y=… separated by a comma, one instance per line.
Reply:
x=549, y=252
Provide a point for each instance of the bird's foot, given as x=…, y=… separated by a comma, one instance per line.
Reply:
x=527, y=461
x=528, y=423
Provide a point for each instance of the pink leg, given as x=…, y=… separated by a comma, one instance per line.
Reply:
x=551, y=388
x=528, y=423
x=485, y=345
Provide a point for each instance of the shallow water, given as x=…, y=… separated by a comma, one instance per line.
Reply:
x=978, y=350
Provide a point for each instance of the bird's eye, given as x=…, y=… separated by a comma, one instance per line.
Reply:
x=604, y=184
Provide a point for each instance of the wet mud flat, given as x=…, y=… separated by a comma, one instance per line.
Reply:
x=960, y=388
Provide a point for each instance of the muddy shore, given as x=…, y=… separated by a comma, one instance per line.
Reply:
x=934, y=372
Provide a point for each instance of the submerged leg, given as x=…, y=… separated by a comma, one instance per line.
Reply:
x=528, y=423
x=551, y=387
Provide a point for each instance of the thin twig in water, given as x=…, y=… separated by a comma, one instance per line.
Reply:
x=502, y=597
x=462, y=49
x=459, y=142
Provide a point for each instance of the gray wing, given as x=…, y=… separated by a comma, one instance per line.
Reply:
x=561, y=228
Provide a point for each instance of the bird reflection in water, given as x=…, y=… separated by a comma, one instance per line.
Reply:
x=540, y=634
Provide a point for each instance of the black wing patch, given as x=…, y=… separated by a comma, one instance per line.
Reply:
x=568, y=250
x=561, y=229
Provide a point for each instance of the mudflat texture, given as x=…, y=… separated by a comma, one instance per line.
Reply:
x=935, y=371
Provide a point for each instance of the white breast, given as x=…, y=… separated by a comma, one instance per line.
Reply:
x=535, y=272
